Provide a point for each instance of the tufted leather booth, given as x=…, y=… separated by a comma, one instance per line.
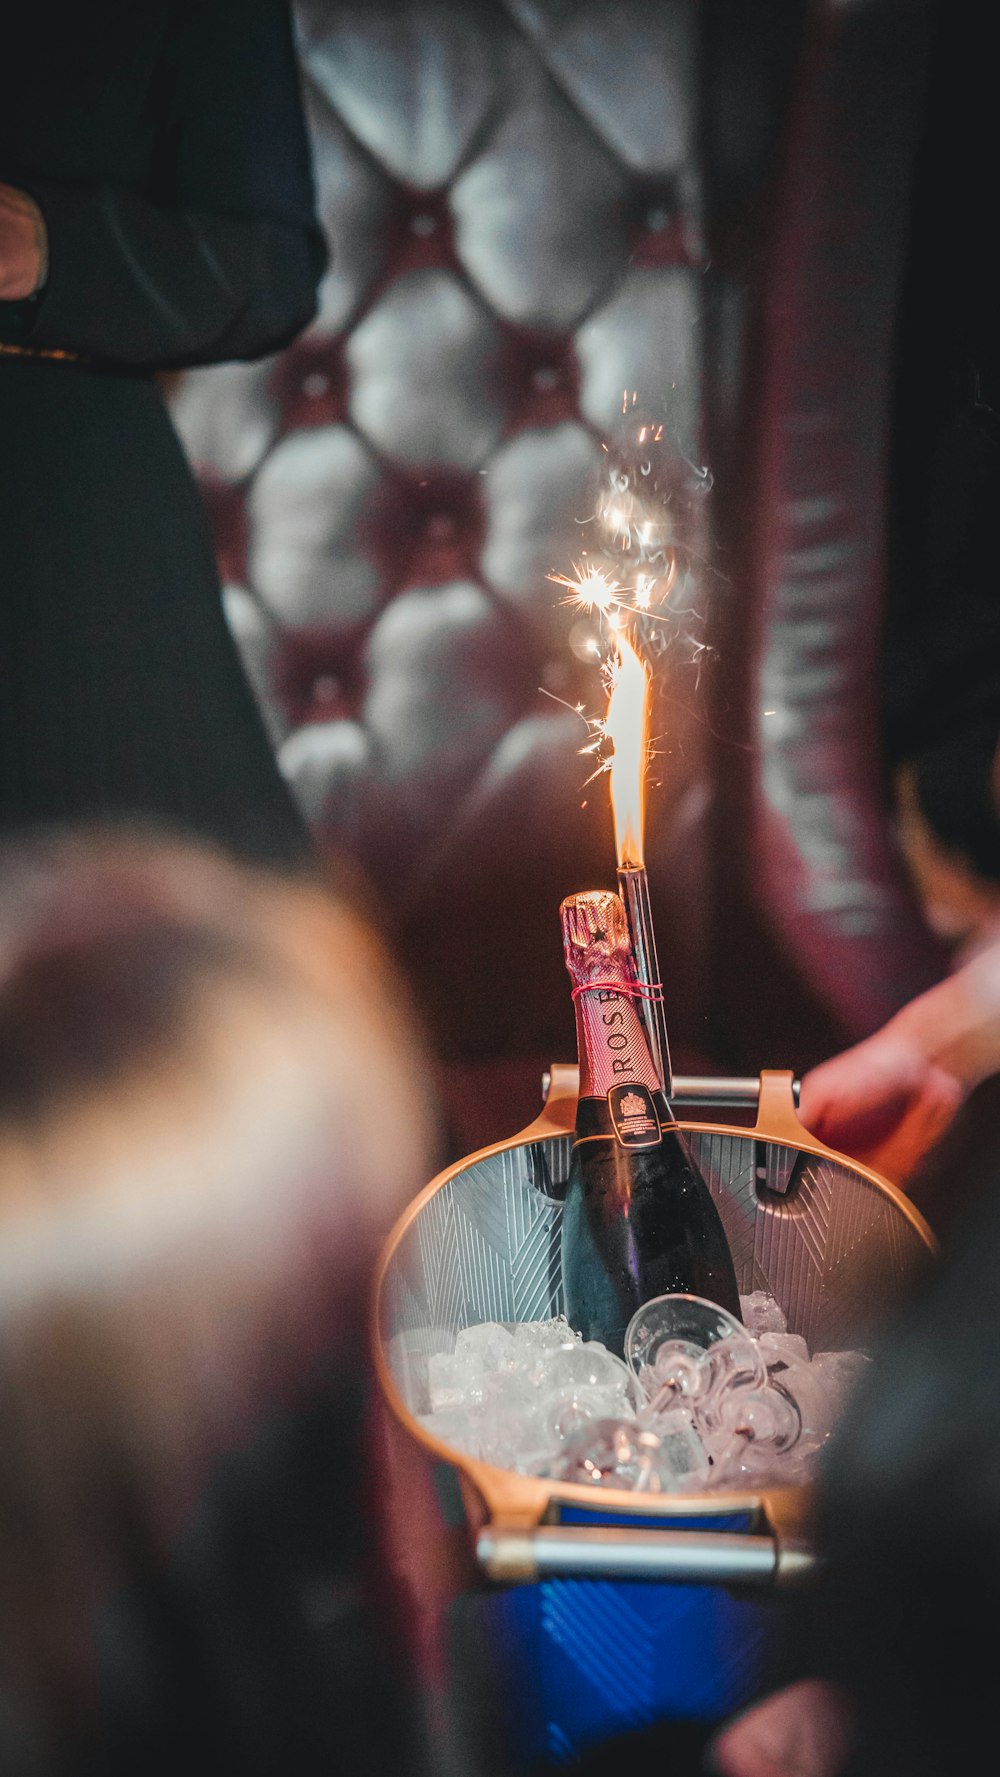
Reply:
x=535, y=209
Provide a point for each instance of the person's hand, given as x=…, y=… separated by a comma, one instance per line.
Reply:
x=23, y=245
x=889, y=1099
x=801, y=1731
x=884, y=1102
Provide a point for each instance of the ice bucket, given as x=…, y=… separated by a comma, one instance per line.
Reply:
x=609, y=1610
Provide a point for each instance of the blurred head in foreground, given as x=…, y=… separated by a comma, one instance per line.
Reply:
x=213, y=1105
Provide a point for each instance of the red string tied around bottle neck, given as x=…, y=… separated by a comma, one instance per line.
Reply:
x=633, y=990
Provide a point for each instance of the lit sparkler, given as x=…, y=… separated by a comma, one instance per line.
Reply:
x=626, y=725
x=627, y=597
x=589, y=590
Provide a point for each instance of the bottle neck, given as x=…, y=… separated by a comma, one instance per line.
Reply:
x=611, y=1043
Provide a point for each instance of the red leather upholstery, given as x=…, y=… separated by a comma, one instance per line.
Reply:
x=825, y=877
x=533, y=208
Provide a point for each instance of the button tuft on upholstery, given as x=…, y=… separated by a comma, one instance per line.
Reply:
x=312, y=679
x=664, y=229
x=326, y=690
x=543, y=378
x=433, y=531
x=309, y=385
x=421, y=235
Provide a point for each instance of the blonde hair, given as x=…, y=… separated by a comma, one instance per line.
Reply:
x=214, y=1100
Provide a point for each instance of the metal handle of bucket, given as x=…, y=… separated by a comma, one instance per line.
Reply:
x=719, y=1089
x=689, y=1557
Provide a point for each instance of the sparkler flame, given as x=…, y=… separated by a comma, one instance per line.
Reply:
x=623, y=593
x=590, y=590
x=626, y=726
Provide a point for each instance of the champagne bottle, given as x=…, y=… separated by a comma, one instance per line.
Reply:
x=638, y=1219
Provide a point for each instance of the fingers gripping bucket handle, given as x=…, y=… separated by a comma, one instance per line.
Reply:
x=831, y=1240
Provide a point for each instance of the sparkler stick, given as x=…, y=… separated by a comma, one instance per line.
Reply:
x=626, y=726
x=633, y=886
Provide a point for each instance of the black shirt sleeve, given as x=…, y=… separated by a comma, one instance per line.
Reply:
x=220, y=258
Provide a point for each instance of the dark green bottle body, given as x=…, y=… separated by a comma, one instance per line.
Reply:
x=638, y=1221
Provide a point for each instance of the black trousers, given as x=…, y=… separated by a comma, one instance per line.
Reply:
x=121, y=691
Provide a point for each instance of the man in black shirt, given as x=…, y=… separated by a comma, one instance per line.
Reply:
x=156, y=211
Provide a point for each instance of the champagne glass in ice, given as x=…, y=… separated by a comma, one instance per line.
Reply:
x=758, y=1437
x=685, y=1349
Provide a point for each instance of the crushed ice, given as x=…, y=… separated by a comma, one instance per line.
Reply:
x=536, y=1398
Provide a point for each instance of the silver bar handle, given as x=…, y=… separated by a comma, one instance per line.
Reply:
x=721, y=1089
x=735, y=1089
x=688, y=1557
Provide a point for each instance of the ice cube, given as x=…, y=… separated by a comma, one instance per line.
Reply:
x=455, y=1379
x=513, y=1426
x=544, y=1335
x=587, y=1363
x=780, y=1348
x=761, y=1313
x=838, y=1373
x=536, y=1340
x=488, y=1341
